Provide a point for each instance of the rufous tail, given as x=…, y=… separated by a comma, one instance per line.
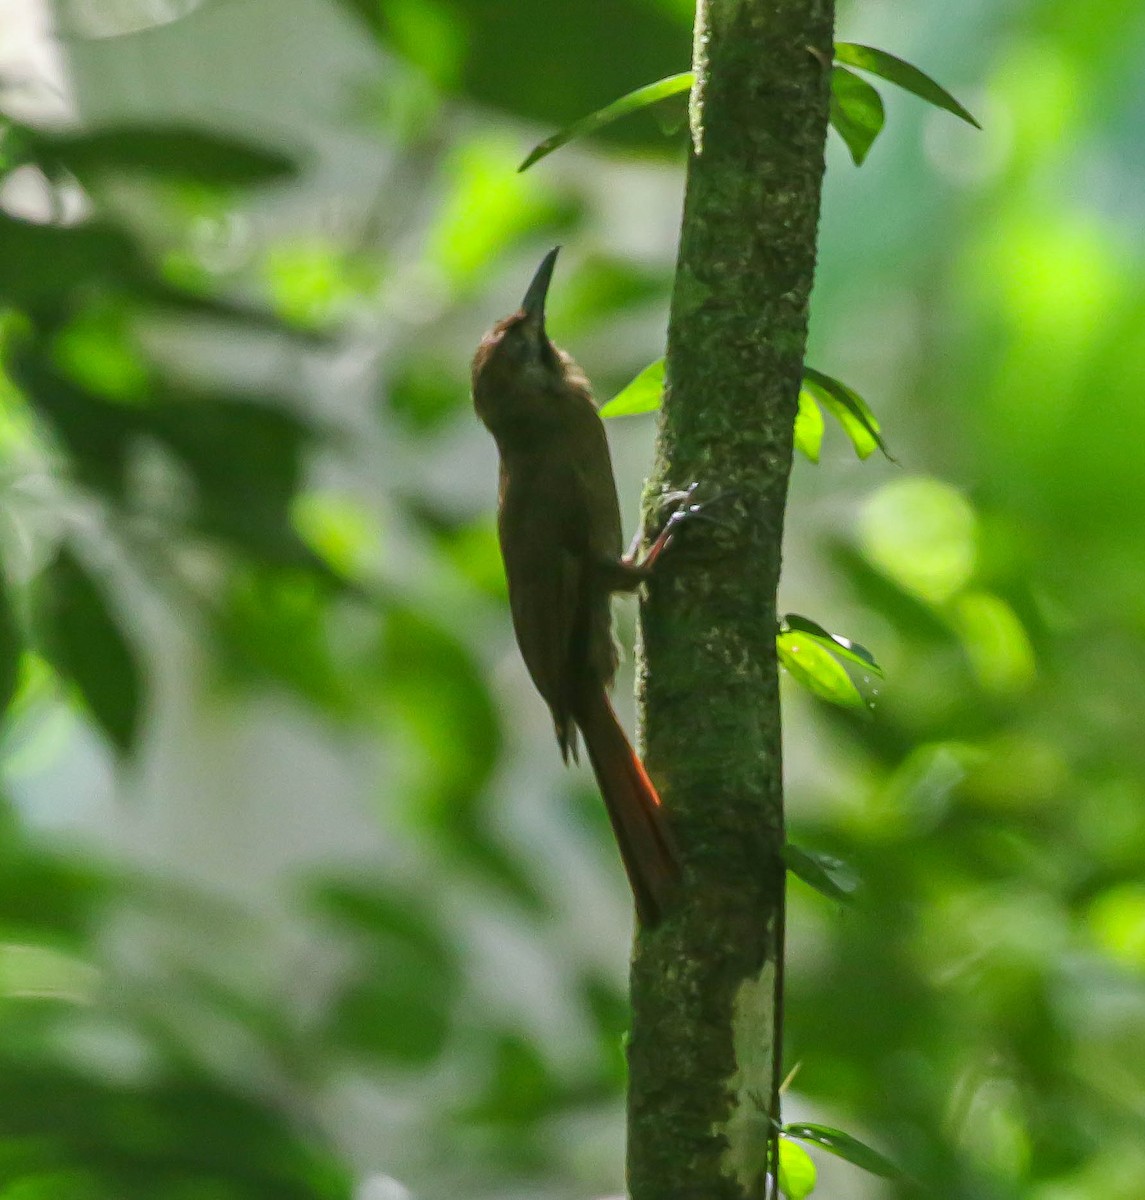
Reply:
x=642, y=833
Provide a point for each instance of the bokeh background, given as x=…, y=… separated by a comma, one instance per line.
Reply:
x=295, y=898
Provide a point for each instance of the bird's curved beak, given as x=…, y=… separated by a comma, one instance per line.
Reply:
x=533, y=305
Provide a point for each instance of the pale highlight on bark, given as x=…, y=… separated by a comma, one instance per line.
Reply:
x=745, y=1132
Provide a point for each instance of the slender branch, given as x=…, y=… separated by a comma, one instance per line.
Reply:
x=704, y=1056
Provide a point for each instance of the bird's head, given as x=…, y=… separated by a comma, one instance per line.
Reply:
x=517, y=366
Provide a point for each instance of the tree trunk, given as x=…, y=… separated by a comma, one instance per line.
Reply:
x=704, y=1055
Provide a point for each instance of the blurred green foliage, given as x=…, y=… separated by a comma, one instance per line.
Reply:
x=432, y=986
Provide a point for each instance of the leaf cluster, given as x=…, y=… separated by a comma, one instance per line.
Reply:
x=85, y=398
x=136, y=469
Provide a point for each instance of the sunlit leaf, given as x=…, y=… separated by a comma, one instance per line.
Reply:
x=428, y=34
x=856, y=111
x=808, y=426
x=895, y=70
x=996, y=642
x=828, y=875
x=817, y=669
x=44, y=972
x=797, y=1174
x=923, y=534
x=850, y=409
x=838, y=645
x=84, y=642
x=485, y=210
x=96, y=351
x=166, y=151
x=1116, y=919
x=642, y=97
x=340, y=531
x=642, y=395
x=313, y=283
x=845, y=1146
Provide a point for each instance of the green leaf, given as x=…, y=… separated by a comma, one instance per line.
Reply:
x=436, y=695
x=97, y=350
x=273, y=625
x=399, y=1006
x=246, y=460
x=11, y=650
x=163, y=151
x=429, y=35
x=808, y=426
x=242, y=1148
x=48, y=897
x=84, y=642
x=40, y=263
x=399, y=1011
x=845, y=1146
x=894, y=70
x=851, y=411
x=829, y=876
x=642, y=97
x=520, y=1087
x=797, y=1174
x=837, y=644
x=95, y=432
x=817, y=669
x=856, y=111
x=642, y=395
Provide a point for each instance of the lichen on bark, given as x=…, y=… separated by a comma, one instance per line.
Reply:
x=707, y=675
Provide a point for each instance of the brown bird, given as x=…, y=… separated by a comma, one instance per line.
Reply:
x=559, y=526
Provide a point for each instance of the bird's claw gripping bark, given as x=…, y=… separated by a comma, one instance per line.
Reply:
x=688, y=508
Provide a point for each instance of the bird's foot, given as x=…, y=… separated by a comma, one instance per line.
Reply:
x=688, y=507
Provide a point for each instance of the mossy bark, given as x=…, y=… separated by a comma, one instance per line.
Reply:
x=703, y=1058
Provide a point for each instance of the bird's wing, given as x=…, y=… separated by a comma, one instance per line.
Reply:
x=546, y=602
